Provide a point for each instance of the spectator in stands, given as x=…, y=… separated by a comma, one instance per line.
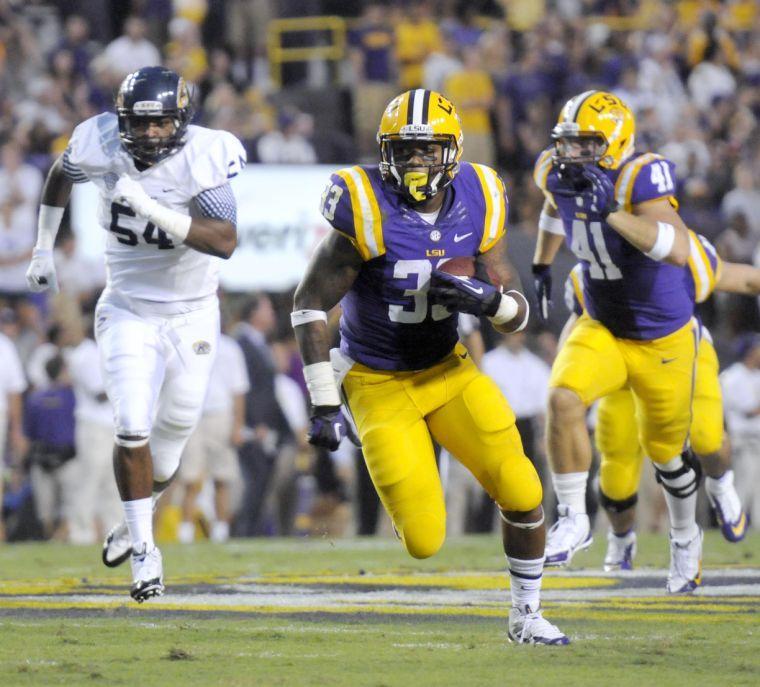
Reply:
x=131, y=50
x=20, y=186
x=49, y=426
x=473, y=93
x=76, y=40
x=440, y=65
x=711, y=79
x=741, y=400
x=744, y=198
x=417, y=36
x=12, y=385
x=212, y=451
x=267, y=429
x=524, y=380
x=289, y=142
x=97, y=505
x=185, y=53
x=78, y=277
x=371, y=46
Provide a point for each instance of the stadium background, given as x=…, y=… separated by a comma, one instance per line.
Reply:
x=303, y=84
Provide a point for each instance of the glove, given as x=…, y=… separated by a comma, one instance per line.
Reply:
x=463, y=294
x=570, y=180
x=542, y=283
x=41, y=273
x=130, y=192
x=327, y=427
x=599, y=198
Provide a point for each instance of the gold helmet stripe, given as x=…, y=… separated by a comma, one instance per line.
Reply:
x=572, y=111
x=419, y=107
x=496, y=211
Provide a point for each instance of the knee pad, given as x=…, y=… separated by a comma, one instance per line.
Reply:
x=617, y=505
x=518, y=486
x=422, y=534
x=130, y=440
x=683, y=481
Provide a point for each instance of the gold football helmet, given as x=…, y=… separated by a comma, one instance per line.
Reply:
x=420, y=138
x=594, y=126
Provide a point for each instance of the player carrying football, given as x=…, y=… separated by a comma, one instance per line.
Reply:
x=406, y=378
x=166, y=203
x=617, y=212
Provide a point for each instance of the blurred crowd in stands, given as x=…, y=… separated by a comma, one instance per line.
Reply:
x=313, y=91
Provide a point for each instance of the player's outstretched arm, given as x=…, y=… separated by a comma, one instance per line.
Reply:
x=739, y=278
x=329, y=276
x=55, y=194
x=656, y=229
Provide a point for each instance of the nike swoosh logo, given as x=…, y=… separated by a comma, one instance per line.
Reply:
x=458, y=238
x=466, y=282
x=665, y=361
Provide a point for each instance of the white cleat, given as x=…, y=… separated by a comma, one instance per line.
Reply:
x=727, y=506
x=570, y=534
x=620, y=551
x=685, y=565
x=147, y=574
x=530, y=627
x=117, y=546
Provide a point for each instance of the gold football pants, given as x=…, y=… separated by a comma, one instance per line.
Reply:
x=397, y=413
x=593, y=363
x=617, y=436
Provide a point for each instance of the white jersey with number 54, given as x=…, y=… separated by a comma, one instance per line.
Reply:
x=142, y=261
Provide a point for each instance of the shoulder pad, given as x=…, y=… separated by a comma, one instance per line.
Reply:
x=215, y=157
x=94, y=143
x=493, y=196
x=646, y=177
x=349, y=204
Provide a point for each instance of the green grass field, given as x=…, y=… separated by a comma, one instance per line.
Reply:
x=360, y=612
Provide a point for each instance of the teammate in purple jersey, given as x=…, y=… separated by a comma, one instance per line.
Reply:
x=617, y=212
x=405, y=377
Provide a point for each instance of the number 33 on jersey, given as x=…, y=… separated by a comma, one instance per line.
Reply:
x=387, y=322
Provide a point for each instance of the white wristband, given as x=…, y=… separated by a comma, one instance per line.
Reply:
x=509, y=307
x=171, y=221
x=299, y=317
x=666, y=236
x=507, y=310
x=48, y=222
x=320, y=380
x=551, y=224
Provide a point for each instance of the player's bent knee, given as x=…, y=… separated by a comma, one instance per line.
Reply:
x=618, y=480
x=705, y=441
x=423, y=534
x=519, y=487
x=565, y=403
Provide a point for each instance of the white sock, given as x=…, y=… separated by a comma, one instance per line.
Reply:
x=717, y=486
x=683, y=511
x=139, y=517
x=525, y=582
x=570, y=488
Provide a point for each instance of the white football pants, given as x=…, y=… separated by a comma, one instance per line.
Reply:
x=156, y=363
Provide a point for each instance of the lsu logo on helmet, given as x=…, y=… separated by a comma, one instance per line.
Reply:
x=595, y=126
x=420, y=138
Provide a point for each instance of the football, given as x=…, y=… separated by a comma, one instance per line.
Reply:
x=463, y=266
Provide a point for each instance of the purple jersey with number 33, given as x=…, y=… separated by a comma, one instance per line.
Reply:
x=634, y=296
x=387, y=321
